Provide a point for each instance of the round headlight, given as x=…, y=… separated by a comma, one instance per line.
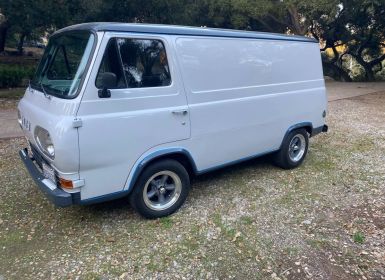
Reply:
x=44, y=141
x=51, y=150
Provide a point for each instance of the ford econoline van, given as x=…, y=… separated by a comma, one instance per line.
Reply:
x=135, y=110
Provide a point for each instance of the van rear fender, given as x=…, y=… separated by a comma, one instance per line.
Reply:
x=306, y=125
x=179, y=154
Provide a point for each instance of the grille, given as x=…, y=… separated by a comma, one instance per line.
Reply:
x=39, y=159
x=37, y=156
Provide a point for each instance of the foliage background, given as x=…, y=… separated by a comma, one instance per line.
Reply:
x=351, y=32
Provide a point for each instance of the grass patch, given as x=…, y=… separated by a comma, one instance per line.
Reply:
x=321, y=161
x=166, y=222
x=14, y=93
x=12, y=239
x=359, y=237
x=291, y=251
x=227, y=231
x=319, y=243
x=92, y=276
x=362, y=145
x=246, y=220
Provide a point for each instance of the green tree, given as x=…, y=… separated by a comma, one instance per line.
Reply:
x=4, y=26
x=366, y=25
x=328, y=25
x=357, y=25
x=27, y=16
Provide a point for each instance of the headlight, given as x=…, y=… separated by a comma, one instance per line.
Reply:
x=44, y=141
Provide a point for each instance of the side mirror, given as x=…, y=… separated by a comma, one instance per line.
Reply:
x=109, y=81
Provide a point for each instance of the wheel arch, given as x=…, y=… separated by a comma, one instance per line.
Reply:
x=179, y=154
x=306, y=125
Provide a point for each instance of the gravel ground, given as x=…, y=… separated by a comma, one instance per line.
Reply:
x=324, y=220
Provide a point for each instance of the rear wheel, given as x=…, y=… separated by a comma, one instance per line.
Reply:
x=161, y=189
x=293, y=150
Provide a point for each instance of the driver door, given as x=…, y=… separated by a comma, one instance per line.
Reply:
x=147, y=108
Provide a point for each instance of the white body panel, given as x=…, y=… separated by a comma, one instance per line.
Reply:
x=56, y=115
x=241, y=97
x=244, y=94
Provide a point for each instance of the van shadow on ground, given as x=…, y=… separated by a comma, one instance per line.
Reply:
x=199, y=184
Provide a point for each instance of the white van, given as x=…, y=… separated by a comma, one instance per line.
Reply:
x=135, y=110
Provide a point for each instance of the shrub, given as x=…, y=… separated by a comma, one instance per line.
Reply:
x=12, y=76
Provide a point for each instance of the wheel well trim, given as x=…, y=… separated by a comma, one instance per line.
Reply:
x=297, y=126
x=139, y=166
x=143, y=163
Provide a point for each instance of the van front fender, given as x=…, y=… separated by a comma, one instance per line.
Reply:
x=142, y=163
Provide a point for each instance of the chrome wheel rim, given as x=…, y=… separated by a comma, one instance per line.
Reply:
x=162, y=190
x=297, y=147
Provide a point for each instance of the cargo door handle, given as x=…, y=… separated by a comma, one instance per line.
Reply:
x=180, y=112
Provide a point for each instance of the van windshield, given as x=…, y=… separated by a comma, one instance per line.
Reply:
x=63, y=64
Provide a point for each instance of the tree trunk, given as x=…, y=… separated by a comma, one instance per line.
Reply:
x=296, y=25
x=21, y=43
x=336, y=72
x=334, y=69
x=3, y=35
x=369, y=73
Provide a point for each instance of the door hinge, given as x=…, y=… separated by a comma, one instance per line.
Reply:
x=77, y=123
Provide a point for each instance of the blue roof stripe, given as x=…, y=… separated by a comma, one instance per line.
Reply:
x=183, y=30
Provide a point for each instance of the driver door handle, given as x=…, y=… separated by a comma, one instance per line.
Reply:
x=180, y=112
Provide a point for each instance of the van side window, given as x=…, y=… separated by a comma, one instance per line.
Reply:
x=111, y=63
x=136, y=63
x=144, y=62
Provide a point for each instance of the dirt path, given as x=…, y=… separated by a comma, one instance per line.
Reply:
x=339, y=91
x=9, y=127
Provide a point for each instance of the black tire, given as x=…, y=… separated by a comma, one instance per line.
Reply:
x=144, y=200
x=285, y=157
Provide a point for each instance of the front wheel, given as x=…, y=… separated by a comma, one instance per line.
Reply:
x=293, y=150
x=161, y=189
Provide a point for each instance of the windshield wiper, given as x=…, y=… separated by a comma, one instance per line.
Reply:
x=46, y=95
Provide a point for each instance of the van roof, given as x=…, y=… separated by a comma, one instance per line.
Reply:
x=182, y=30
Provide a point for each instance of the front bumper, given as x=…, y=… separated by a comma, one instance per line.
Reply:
x=53, y=193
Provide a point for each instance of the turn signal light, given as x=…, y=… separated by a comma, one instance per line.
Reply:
x=66, y=184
